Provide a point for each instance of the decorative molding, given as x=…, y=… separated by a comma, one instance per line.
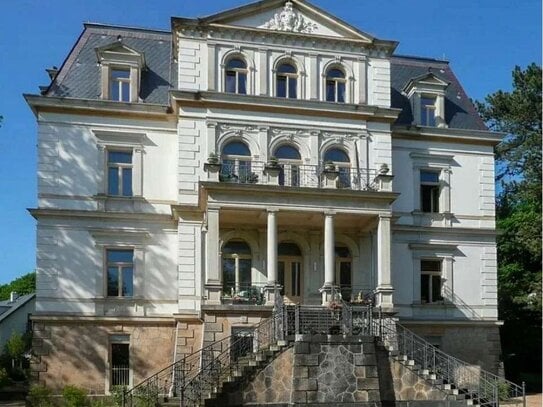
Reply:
x=290, y=20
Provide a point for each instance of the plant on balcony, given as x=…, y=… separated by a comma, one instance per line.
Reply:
x=273, y=162
x=213, y=158
x=252, y=178
x=329, y=166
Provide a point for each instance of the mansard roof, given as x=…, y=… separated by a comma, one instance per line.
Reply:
x=459, y=111
x=79, y=76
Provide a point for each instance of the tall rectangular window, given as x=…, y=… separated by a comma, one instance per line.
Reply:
x=429, y=191
x=430, y=281
x=120, y=360
x=428, y=111
x=120, y=272
x=119, y=178
x=119, y=85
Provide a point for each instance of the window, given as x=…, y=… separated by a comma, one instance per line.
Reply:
x=341, y=161
x=236, y=269
x=429, y=191
x=335, y=85
x=236, y=76
x=120, y=360
x=236, y=163
x=290, y=160
x=430, y=281
x=428, y=111
x=119, y=85
x=287, y=81
x=119, y=178
x=289, y=271
x=120, y=272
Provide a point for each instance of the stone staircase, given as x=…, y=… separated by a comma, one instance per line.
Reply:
x=327, y=359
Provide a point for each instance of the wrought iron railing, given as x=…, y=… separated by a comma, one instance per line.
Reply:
x=483, y=387
x=296, y=175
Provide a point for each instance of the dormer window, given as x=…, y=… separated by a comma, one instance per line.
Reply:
x=121, y=68
x=428, y=111
x=119, y=85
x=427, y=96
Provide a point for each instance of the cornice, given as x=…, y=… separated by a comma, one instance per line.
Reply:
x=38, y=213
x=95, y=107
x=205, y=99
x=78, y=319
x=445, y=230
x=467, y=136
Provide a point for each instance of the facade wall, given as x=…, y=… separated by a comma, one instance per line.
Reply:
x=17, y=322
x=78, y=352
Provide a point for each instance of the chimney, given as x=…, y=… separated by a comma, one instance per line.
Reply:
x=52, y=72
x=13, y=296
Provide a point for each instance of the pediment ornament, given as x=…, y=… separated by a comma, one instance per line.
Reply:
x=290, y=20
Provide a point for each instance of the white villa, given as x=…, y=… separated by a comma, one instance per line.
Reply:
x=183, y=175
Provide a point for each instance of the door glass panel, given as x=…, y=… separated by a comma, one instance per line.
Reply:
x=281, y=276
x=295, y=279
x=245, y=273
x=345, y=280
x=228, y=275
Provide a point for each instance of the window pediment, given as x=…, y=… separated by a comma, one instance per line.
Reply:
x=118, y=53
x=428, y=83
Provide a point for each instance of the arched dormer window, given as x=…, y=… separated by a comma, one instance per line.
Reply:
x=340, y=160
x=236, y=163
x=286, y=81
x=235, y=80
x=289, y=159
x=335, y=85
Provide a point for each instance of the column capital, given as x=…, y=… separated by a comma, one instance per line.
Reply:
x=329, y=213
x=272, y=210
x=385, y=216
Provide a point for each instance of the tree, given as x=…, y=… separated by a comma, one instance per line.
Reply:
x=23, y=285
x=518, y=160
x=15, y=348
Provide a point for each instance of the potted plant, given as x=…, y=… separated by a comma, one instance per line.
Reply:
x=213, y=158
x=329, y=166
x=273, y=162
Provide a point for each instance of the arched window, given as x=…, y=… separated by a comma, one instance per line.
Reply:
x=290, y=160
x=236, y=163
x=344, y=271
x=335, y=85
x=289, y=271
x=340, y=160
x=236, y=270
x=287, y=81
x=235, y=80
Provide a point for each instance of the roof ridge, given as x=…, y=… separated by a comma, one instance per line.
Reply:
x=90, y=24
x=419, y=58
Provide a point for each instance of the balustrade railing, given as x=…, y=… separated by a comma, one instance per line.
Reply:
x=243, y=293
x=296, y=175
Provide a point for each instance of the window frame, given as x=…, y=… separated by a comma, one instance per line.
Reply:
x=237, y=271
x=237, y=72
x=290, y=167
x=345, y=178
x=434, y=186
x=287, y=76
x=237, y=160
x=427, y=119
x=120, y=267
x=120, y=82
x=431, y=274
x=118, y=339
x=120, y=172
x=336, y=81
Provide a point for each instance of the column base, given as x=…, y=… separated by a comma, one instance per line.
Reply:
x=214, y=292
x=329, y=293
x=383, y=298
x=271, y=291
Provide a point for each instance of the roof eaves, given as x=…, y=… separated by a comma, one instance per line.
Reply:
x=18, y=304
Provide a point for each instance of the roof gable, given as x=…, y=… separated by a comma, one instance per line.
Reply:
x=119, y=52
x=298, y=16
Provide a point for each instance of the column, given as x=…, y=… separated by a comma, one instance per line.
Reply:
x=272, y=247
x=213, y=260
x=271, y=265
x=329, y=250
x=384, y=277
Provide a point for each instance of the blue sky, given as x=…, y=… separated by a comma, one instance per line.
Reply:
x=483, y=39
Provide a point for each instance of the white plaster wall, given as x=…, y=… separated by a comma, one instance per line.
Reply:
x=16, y=322
x=71, y=165
x=379, y=82
x=71, y=272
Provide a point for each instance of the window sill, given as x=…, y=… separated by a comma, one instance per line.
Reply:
x=104, y=197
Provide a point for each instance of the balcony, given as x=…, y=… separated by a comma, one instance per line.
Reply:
x=327, y=175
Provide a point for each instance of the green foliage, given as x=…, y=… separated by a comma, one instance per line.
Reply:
x=15, y=346
x=75, y=396
x=23, y=285
x=40, y=396
x=117, y=394
x=518, y=159
x=4, y=379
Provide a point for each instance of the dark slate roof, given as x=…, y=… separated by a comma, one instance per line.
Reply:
x=9, y=307
x=459, y=111
x=79, y=77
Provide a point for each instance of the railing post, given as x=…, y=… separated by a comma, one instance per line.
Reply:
x=123, y=396
x=523, y=394
x=297, y=319
x=380, y=322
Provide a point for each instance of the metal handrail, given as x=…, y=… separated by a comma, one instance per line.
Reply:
x=485, y=388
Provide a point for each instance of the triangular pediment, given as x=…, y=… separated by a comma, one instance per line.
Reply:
x=119, y=52
x=427, y=80
x=296, y=16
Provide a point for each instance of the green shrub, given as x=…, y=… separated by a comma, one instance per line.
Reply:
x=75, y=397
x=117, y=395
x=40, y=396
x=3, y=377
x=104, y=402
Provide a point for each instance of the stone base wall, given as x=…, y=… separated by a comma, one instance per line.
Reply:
x=478, y=345
x=78, y=352
x=189, y=336
x=218, y=324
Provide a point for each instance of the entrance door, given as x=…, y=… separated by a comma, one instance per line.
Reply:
x=344, y=272
x=290, y=278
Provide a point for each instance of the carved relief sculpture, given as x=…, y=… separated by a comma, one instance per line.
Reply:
x=290, y=20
